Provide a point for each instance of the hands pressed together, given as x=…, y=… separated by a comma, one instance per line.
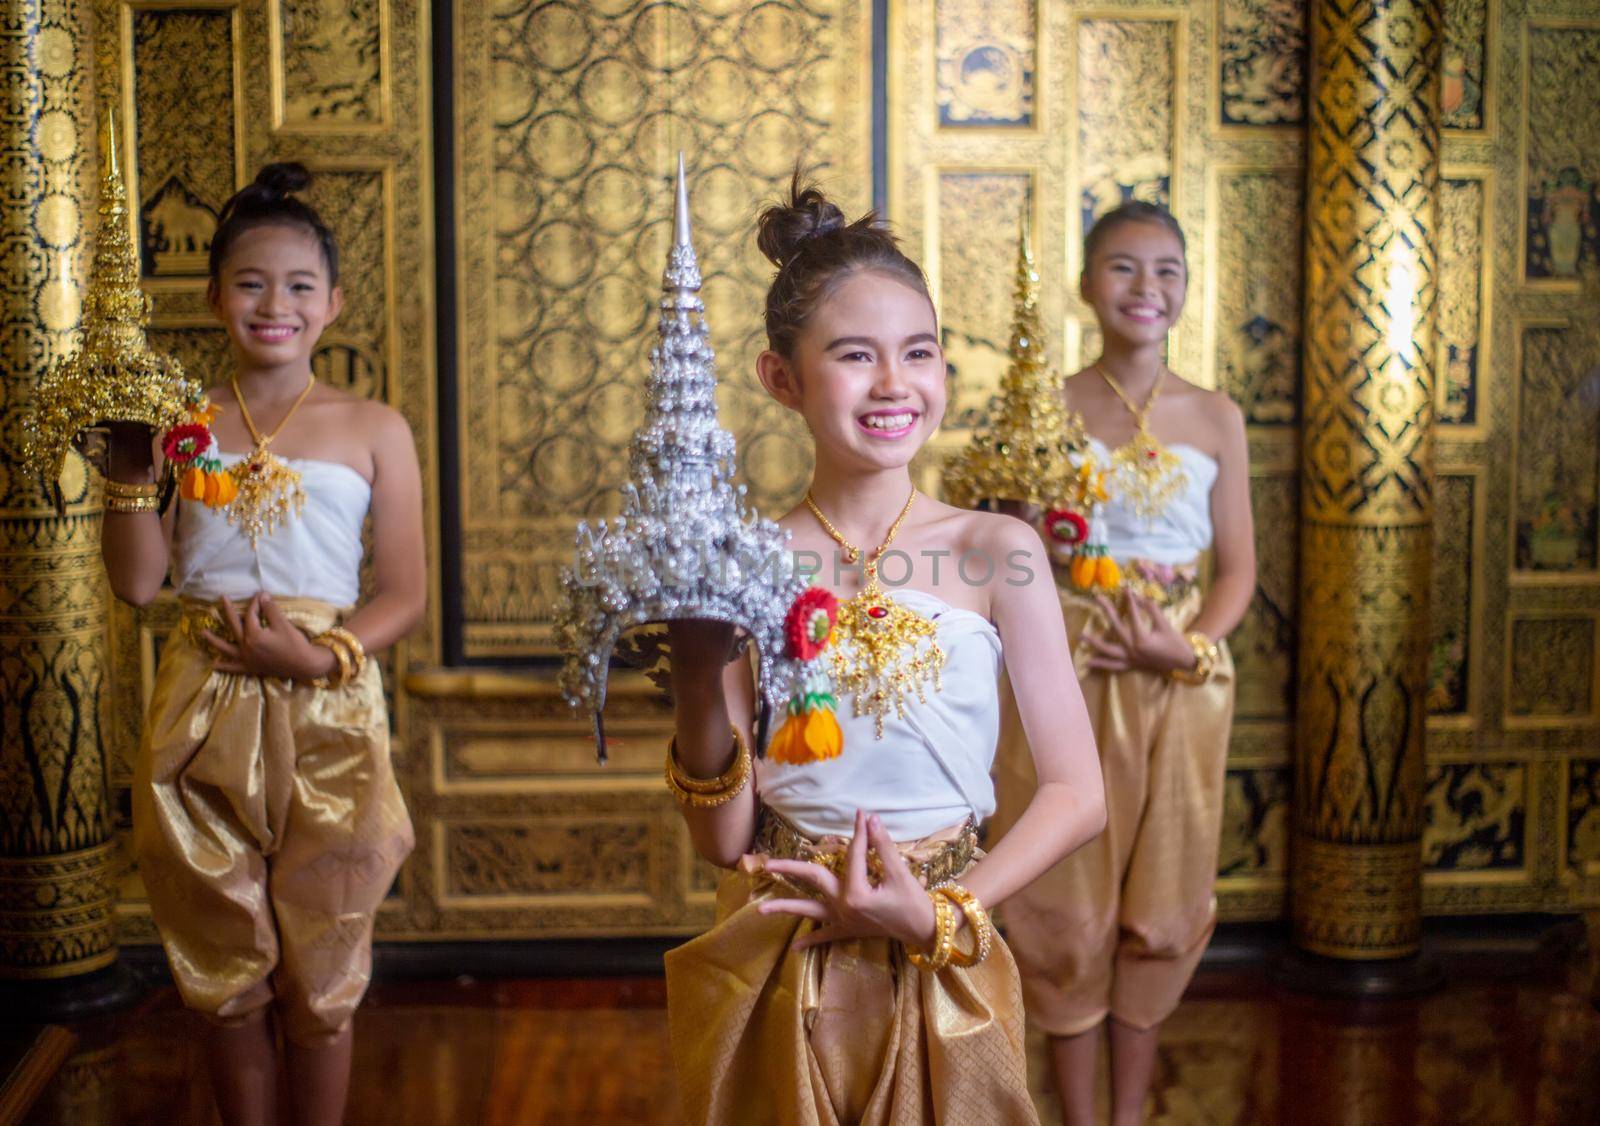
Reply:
x=1138, y=637
x=267, y=644
x=849, y=905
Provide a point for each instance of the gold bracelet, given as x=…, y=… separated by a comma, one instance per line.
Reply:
x=129, y=505
x=114, y=488
x=689, y=790
x=353, y=648
x=977, y=921
x=705, y=785
x=944, y=937
x=1205, y=660
x=341, y=656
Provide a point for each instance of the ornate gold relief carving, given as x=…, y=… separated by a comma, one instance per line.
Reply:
x=1561, y=152
x=1464, y=96
x=971, y=273
x=604, y=858
x=1261, y=62
x=186, y=159
x=1127, y=106
x=1583, y=817
x=329, y=64
x=1474, y=817
x=1264, y=644
x=1258, y=289
x=987, y=55
x=1551, y=670
x=567, y=119
x=1457, y=531
x=1557, y=472
x=1465, y=232
x=1255, y=826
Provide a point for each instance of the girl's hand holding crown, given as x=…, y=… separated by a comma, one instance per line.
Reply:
x=269, y=644
x=850, y=906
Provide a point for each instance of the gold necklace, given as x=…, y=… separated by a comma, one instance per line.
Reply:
x=886, y=651
x=1144, y=470
x=268, y=488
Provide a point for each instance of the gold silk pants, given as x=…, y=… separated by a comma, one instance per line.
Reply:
x=268, y=827
x=1118, y=927
x=845, y=1033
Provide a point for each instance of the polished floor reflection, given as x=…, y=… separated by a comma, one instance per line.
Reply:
x=1481, y=1051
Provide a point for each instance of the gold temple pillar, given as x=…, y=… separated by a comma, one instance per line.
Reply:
x=1366, y=479
x=57, y=888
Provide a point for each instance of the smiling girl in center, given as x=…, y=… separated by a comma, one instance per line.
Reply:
x=852, y=975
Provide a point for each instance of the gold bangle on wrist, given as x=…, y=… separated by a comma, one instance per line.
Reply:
x=130, y=505
x=944, y=937
x=353, y=648
x=1205, y=660
x=115, y=488
x=341, y=657
x=978, y=923
x=708, y=793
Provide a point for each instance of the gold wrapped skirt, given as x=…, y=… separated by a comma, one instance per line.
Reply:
x=268, y=827
x=849, y=1032
x=1118, y=927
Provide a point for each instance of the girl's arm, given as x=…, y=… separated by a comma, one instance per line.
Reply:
x=399, y=554
x=1233, y=583
x=1069, y=806
x=710, y=696
x=135, y=545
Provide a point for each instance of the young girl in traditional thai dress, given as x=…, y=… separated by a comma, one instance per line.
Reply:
x=267, y=822
x=852, y=975
x=1112, y=934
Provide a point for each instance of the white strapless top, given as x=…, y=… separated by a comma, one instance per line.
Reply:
x=316, y=554
x=1181, y=533
x=931, y=769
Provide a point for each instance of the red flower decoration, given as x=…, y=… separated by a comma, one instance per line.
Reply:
x=185, y=442
x=809, y=624
x=1066, y=526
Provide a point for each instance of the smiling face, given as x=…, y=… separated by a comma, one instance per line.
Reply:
x=273, y=296
x=1137, y=282
x=867, y=373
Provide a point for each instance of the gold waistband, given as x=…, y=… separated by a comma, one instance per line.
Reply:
x=309, y=614
x=933, y=860
x=1163, y=584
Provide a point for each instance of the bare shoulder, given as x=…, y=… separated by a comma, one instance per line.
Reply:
x=1074, y=383
x=1215, y=405
x=383, y=425
x=991, y=533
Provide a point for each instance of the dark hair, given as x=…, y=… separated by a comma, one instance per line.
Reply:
x=1133, y=211
x=270, y=201
x=815, y=249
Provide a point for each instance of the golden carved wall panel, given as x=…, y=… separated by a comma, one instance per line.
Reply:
x=1465, y=229
x=1261, y=62
x=188, y=149
x=1458, y=529
x=987, y=56
x=1463, y=100
x=971, y=273
x=568, y=118
x=1127, y=105
x=1582, y=818
x=1552, y=671
x=329, y=65
x=1561, y=151
x=1474, y=818
x=1264, y=644
x=1256, y=313
x=1557, y=468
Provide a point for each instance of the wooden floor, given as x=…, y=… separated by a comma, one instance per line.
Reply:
x=1480, y=1052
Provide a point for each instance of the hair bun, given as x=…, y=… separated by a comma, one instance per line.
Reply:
x=784, y=228
x=283, y=179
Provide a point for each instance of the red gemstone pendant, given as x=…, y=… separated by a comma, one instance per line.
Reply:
x=877, y=611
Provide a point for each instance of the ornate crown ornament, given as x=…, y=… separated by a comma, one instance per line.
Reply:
x=114, y=375
x=1023, y=452
x=686, y=545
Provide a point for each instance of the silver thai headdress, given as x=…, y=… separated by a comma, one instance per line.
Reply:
x=686, y=545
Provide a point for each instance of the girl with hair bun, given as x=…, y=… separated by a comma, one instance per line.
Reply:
x=853, y=975
x=268, y=824
x=1110, y=936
